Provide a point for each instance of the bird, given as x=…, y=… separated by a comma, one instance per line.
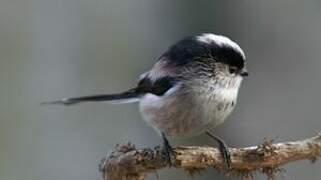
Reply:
x=192, y=88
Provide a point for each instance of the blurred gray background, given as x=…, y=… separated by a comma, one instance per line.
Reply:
x=59, y=48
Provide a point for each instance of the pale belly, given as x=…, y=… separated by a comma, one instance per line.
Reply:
x=185, y=115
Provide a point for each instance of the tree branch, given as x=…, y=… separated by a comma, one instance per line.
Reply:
x=128, y=163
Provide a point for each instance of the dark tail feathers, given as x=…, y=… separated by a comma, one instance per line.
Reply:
x=125, y=97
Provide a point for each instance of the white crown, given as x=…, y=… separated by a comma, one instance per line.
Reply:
x=220, y=41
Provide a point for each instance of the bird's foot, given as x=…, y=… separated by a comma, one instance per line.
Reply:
x=223, y=149
x=168, y=151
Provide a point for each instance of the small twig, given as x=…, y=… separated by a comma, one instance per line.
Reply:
x=128, y=163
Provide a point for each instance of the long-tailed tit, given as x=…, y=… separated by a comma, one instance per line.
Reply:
x=191, y=88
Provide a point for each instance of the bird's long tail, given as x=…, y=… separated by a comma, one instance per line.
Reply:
x=125, y=97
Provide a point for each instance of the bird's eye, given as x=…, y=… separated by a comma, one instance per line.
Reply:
x=232, y=69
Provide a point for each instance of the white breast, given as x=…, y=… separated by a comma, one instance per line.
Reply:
x=189, y=111
x=218, y=107
x=219, y=102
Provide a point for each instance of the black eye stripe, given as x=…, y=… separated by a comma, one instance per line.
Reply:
x=190, y=49
x=232, y=69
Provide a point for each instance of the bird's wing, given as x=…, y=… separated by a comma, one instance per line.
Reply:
x=157, y=86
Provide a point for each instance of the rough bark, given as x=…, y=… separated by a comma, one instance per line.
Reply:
x=126, y=162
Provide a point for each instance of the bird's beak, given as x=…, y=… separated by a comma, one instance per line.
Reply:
x=244, y=73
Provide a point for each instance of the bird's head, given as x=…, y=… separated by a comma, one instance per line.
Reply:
x=208, y=57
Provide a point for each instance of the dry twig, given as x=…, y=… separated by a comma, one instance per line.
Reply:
x=128, y=163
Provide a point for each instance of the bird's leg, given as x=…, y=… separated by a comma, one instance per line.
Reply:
x=168, y=150
x=222, y=147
